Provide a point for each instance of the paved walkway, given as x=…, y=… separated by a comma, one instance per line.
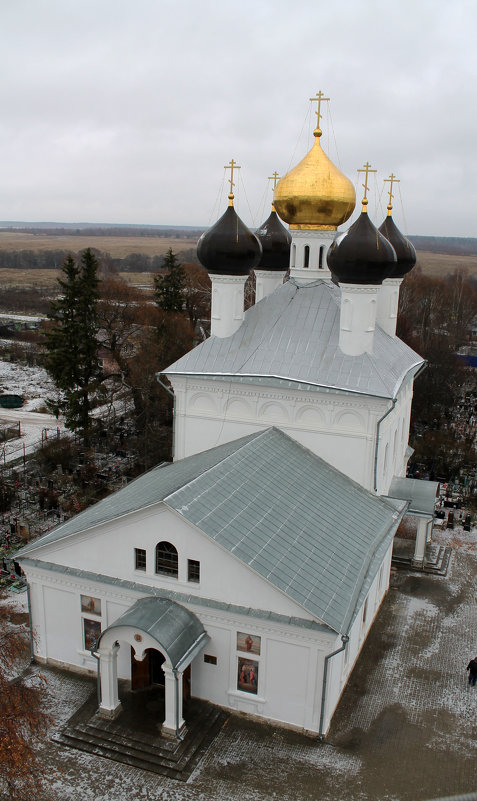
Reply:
x=405, y=730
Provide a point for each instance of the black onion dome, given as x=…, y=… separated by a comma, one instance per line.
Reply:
x=405, y=252
x=275, y=241
x=229, y=247
x=361, y=255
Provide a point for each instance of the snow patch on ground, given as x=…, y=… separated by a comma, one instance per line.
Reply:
x=33, y=383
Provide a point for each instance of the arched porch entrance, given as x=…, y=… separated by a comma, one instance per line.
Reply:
x=151, y=624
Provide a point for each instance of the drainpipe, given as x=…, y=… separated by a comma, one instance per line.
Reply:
x=344, y=640
x=171, y=393
x=30, y=626
x=394, y=401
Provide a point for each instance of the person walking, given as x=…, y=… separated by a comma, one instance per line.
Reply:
x=472, y=668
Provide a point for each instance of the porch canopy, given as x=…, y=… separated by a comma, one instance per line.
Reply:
x=421, y=495
x=179, y=634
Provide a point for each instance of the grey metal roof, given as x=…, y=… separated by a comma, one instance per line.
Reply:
x=150, y=488
x=180, y=597
x=176, y=630
x=296, y=521
x=420, y=494
x=293, y=335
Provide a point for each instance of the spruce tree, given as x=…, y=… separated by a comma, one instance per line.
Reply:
x=71, y=342
x=170, y=288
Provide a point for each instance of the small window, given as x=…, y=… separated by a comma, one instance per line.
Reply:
x=193, y=570
x=306, y=261
x=211, y=660
x=167, y=560
x=320, y=262
x=140, y=558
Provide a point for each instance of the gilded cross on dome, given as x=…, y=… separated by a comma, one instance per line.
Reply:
x=320, y=98
x=391, y=180
x=231, y=166
x=275, y=178
x=366, y=169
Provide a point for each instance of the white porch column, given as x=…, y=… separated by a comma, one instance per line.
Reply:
x=421, y=538
x=266, y=281
x=429, y=530
x=173, y=721
x=110, y=705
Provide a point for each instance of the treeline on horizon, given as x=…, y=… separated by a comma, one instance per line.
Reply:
x=140, y=262
x=54, y=260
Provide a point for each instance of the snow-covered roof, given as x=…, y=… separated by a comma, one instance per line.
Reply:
x=293, y=335
x=296, y=521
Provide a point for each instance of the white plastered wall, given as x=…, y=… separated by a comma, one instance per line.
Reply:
x=393, y=439
x=338, y=427
x=109, y=549
x=285, y=650
x=341, y=665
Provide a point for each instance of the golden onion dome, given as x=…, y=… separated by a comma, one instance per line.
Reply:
x=315, y=194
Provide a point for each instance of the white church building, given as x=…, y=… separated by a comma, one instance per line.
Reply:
x=249, y=571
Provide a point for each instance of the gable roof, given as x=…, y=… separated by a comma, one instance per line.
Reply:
x=293, y=335
x=296, y=521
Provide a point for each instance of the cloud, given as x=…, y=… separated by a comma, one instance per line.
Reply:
x=122, y=113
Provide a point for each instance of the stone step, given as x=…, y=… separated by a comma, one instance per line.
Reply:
x=126, y=759
x=437, y=561
x=175, y=758
x=170, y=749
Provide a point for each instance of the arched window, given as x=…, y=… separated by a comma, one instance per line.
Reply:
x=306, y=261
x=167, y=561
x=293, y=255
x=320, y=262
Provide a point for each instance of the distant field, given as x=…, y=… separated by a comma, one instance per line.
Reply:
x=440, y=264
x=437, y=264
x=116, y=246
x=46, y=279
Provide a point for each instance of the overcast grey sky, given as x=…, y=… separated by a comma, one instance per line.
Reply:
x=126, y=111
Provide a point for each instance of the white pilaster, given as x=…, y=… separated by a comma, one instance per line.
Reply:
x=388, y=302
x=173, y=721
x=358, y=318
x=266, y=281
x=227, y=304
x=308, y=252
x=110, y=704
